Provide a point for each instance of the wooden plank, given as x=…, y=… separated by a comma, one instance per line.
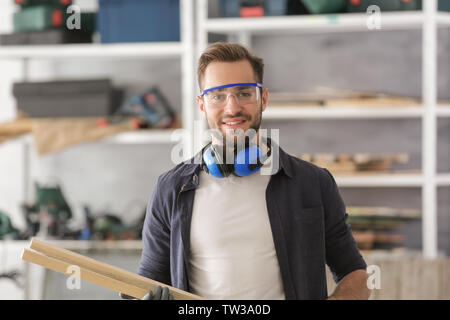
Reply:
x=372, y=102
x=444, y=279
x=429, y=280
x=85, y=274
x=331, y=285
x=389, y=280
x=409, y=278
x=384, y=212
x=369, y=262
x=16, y=127
x=106, y=269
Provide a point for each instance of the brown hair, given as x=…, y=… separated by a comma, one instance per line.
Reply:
x=228, y=52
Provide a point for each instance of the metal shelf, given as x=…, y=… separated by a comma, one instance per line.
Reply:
x=114, y=50
x=390, y=180
x=133, y=245
x=443, y=179
x=280, y=112
x=183, y=50
x=428, y=20
x=443, y=111
x=380, y=180
x=144, y=137
x=322, y=23
x=443, y=19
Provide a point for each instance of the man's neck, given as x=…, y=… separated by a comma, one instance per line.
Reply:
x=233, y=148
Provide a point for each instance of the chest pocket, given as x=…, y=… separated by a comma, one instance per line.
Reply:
x=310, y=225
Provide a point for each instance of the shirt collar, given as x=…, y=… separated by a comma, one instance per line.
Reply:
x=285, y=162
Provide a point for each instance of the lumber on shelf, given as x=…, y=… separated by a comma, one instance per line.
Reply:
x=357, y=162
x=366, y=211
x=105, y=275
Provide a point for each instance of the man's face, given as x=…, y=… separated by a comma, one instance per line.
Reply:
x=233, y=115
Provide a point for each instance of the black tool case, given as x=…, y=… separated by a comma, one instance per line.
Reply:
x=46, y=37
x=80, y=98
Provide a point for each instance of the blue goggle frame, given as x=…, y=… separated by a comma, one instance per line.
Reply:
x=255, y=84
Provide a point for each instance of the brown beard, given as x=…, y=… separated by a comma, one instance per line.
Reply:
x=255, y=125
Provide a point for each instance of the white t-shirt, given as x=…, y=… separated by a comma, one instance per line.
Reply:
x=232, y=253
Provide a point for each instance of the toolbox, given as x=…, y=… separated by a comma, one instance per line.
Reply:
x=384, y=5
x=61, y=87
x=81, y=98
x=89, y=105
x=38, y=18
x=138, y=20
x=444, y=5
x=46, y=37
x=393, y=5
x=30, y=3
x=232, y=8
x=325, y=6
x=14, y=39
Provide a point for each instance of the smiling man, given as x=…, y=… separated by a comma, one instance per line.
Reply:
x=222, y=229
x=223, y=79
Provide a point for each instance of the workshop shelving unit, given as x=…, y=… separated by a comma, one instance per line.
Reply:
x=150, y=50
x=183, y=49
x=429, y=19
x=242, y=29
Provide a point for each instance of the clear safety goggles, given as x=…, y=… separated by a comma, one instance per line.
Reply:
x=243, y=93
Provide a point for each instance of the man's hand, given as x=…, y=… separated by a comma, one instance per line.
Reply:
x=160, y=293
x=352, y=287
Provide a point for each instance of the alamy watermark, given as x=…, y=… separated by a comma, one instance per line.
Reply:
x=73, y=21
x=373, y=21
x=232, y=140
x=374, y=280
x=73, y=282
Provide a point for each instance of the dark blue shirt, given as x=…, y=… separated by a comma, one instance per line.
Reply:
x=307, y=216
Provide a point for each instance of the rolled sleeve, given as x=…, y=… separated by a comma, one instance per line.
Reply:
x=155, y=258
x=342, y=254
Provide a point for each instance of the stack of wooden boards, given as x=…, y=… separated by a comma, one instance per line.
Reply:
x=60, y=260
x=378, y=227
x=355, y=163
x=16, y=128
x=330, y=97
x=51, y=135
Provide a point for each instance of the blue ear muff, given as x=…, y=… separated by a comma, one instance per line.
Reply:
x=246, y=161
x=211, y=165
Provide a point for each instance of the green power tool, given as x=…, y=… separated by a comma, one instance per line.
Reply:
x=7, y=231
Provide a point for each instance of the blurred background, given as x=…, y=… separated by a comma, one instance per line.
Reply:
x=94, y=95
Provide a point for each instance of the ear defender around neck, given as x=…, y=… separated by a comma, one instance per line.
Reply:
x=247, y=161
x=214, y=164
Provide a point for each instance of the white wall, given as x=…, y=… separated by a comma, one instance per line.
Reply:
x=11, y=184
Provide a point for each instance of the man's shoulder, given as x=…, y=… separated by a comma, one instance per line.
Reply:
x=302, y=167
x=174, y=176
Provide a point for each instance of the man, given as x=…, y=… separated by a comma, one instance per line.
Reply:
x=247, y=236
